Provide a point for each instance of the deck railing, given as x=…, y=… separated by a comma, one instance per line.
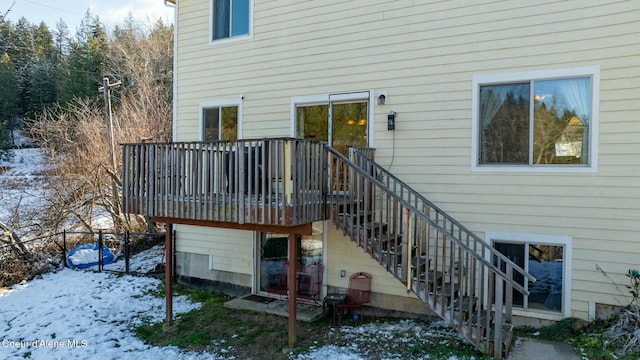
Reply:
x=264, y=181
x=288, y=182
x=462, y=278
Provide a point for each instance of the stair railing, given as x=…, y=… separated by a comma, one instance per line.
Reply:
x=461, y=277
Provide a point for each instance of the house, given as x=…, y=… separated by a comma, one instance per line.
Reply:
x=518, y=121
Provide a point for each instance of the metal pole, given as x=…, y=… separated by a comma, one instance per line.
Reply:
x=127, y=251
x=100, y=254
x=64, y=248
x=106, y=91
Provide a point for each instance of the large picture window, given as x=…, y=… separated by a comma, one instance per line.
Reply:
x=230, y=18
x=535, y=122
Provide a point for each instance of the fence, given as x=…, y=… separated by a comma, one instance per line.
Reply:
x=125, y=244
x=25, y=259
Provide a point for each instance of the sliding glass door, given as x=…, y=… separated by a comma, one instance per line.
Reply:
x=274, y=253
x=341, y=123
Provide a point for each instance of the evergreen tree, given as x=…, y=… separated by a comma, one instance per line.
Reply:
x=61, y=61
x=21, y=53
x=6, y=36
x=87, y=59
x=5, y=142
x=8, y=99
x=8, y=95
x=42, y=71
x=8, y=89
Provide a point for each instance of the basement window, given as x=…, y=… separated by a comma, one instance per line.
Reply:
x=545, y=257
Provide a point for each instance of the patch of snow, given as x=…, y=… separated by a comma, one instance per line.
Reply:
x=83, y=314
x=20, y=140
x=26, y=162
x=74, y=314
x=388, y=339
x=21, y=185
x=330, y=352
x=85, y=256
x=144, y=262
x=22, y=182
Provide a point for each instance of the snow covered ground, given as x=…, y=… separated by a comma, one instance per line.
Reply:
x=22, y=190
x=85, y=315
x=21, y=182
x=76, y=314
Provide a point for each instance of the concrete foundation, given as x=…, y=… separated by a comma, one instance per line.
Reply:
x=384, y=305
x=193, y=270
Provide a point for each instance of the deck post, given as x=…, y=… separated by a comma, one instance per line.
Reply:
x=288, y=176
x=168, y=272
x=293, y=251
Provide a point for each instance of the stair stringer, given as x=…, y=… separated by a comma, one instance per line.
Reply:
x=459, y=276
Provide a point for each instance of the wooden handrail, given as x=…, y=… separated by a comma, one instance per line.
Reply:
x=461, y=277
x=363, y=160
x=405, y=189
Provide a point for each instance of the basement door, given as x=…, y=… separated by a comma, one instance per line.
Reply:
x=274, y=251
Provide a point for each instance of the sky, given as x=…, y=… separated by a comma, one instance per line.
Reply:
x=110, y=12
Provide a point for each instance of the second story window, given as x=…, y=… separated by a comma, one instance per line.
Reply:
x=220, y=123
x=230, y=18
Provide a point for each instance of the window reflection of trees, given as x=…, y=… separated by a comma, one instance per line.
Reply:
x=506, y=137
x=313, y=122
x=552, y=129
x=349, y=124
x=212, y=123
x=230, y=123
x=560, y=120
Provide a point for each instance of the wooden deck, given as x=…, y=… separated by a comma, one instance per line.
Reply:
x=276, y=182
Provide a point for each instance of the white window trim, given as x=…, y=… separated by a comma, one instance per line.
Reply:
x=566, y=242
x=326, y=98
x=592, y=71
x=230, y=39
x=218, y=103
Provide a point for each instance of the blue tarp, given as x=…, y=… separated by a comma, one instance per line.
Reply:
x=87, y=255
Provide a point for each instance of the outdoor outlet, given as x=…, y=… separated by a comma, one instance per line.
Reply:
x=343, y=273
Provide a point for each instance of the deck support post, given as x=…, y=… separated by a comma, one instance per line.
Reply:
x=293, y=251
x=168, y=274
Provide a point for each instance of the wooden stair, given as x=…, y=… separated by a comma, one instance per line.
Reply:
x=433, y=255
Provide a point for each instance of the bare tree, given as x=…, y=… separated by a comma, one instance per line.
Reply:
x=76, y=136
x=4, y=15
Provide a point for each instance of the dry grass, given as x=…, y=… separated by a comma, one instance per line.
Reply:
x=244, y=334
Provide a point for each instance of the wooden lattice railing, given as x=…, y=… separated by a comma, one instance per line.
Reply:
x=277, y=181
x=461, y=277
